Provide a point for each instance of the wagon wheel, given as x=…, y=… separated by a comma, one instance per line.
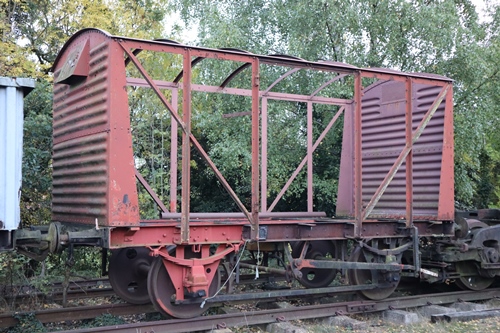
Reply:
x=162, y=293
x=315, y=277
x=469, y=277
x=128, y=274
x=365, y=276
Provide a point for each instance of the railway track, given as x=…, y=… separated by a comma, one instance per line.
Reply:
x=76, y=313
x=16, y=294
x=247, y=318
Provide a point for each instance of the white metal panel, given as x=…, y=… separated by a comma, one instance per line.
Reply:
x=12, y=92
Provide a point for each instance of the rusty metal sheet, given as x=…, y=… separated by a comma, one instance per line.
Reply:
x=93, y=177
x=160, y=232
x=155, y=234
x=383, y=139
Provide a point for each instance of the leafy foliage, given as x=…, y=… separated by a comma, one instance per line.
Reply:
x=37, y=156
x=28, y=323
x=13, y=58
x=442, y=37
x=105, y=319
x=14, y=268
x=42, y=27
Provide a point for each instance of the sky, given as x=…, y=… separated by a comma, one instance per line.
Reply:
x=481, y=5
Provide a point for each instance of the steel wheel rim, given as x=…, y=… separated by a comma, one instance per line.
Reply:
x=473, y=281
x=128, y=276
x=365, y=276
x=162, y=293
x=311, y=277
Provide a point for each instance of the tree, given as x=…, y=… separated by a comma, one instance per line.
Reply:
x=441, y=37
x=37, y=156
x=32, y=33
x=43, y=26
x=13, y=58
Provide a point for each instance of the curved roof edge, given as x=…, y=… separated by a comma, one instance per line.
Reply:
x=73, y=37
x=331, y=65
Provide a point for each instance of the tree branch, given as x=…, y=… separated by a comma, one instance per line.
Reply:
x=330, y=36
x=485, y=81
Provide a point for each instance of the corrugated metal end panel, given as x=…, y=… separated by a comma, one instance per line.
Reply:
x=80, y=124
x=12, y=92
x=86, y=145
x=383, y=139
x=383, y=129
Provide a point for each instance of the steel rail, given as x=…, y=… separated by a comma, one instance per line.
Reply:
x=294, y=313
x=57, y=285
x=77, y=313
x=76, y=289
x=58, y=295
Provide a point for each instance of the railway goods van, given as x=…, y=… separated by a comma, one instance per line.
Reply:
x=392, y=217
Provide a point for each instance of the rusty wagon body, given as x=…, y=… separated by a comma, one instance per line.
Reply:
x=395, y=211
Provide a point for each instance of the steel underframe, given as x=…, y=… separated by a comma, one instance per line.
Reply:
x=201, y=232
x=233, y=231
